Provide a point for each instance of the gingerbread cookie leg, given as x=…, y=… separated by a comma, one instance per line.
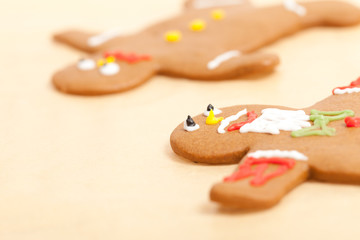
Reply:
x=110, y=73
x=87, y=42
x=261, y=182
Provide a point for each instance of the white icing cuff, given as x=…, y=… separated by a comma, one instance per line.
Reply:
x=86, y=64
x=198, y=4
x=216, y=111
x=339, y=91
x=224, y=123
x=277, y=153
x=222, y=58
x=293, y=6
x=98, y=40
x=109, y=69
x=191, y=128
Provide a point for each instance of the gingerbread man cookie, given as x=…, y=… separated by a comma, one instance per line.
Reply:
x=211, y=40
x=278, y=148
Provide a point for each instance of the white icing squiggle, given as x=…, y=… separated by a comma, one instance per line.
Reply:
x=339, y=91
x=109, y=69
x=215, y=111
x=273, y=120
x=222, y=58
x=293, y=6
x=278, y=153
x=99, y=39
x=226, y=121
x=215, y=3
x=191, y=128
x=86, y=64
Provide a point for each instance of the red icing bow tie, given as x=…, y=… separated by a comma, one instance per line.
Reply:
x=130, y=57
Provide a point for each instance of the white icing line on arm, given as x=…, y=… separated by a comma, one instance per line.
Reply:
x=277, y=153
x=293, y=6
x=273, y=120
x=198, y=4
x=226, y=121
x=338, y=91
x=222, y=58
x=215, y=111
x=99, y=39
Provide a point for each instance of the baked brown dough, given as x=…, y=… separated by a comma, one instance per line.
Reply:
x=211, y=43
x=332, y=157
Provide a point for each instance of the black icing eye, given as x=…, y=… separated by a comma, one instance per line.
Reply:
x=190, y=122
x=210, y=107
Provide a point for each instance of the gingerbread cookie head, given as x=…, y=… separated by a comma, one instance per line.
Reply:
x=211, y=40
x=277, y=147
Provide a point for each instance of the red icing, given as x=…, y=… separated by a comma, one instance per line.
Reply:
x=353, y=84
x=130, y=58
x=352, y=121
x=236, y=126
x=246, y=169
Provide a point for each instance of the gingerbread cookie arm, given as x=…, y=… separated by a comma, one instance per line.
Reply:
x=202, y=4
x=88, y=42
x=96, y=76
x=244, y=195
x=227, y=65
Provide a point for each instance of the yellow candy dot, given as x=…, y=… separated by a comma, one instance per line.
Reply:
x=101, y=62
x=218, y=14
x=173, y=36
x=197, y=25
x=110, y=59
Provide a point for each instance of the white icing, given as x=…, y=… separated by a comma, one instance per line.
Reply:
x=338, y=91
x=191, y=128
x=215, y=111
x=226, y=121
x=86, y=64
x=277, y=153
x=99, y=39
x=215, y=3
x=273, y=120
x=109, y=69
x=222, y=58
x=293, y=6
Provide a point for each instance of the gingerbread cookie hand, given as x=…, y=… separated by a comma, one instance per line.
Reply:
x=277, y=147
x=202, y=43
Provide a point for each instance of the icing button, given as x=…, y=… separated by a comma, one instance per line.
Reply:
x=212, y=120
x=197, y=25
x=218, y=14
x=173, y=36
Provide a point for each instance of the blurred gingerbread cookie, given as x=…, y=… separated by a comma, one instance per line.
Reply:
x=210, y=40
x=277, y=147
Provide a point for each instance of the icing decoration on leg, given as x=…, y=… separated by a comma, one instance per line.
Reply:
x=236, y=126
x=352, y=122
x=321, y=119
x=197, y=25
x=212, y=120
x=190, y=125
x=86, y=64
x=293, y=6
x=211, y=107
x=222, y=58
x=273, y=120
x=129, y=58
x=173, y=36
x=102, y=38
x=226, y=121
x=354, y=87
x=218, y=14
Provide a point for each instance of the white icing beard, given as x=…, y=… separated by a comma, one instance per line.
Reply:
x=273, y=120
x=191, y=128
x=280, y=154
x=215, y=63
x=339, y=91
x=110, y=69
x=293, y=6
x=224, y=123
x=86, y=64
x=215, y=111
x=198, y=4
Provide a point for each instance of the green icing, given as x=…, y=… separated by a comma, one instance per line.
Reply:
x=321, y=119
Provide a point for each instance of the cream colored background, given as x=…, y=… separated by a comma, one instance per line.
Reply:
x=102, y=168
